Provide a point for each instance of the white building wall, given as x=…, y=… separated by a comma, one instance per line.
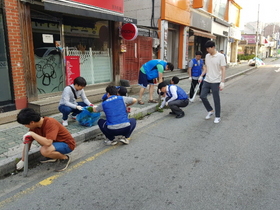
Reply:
x=142, y=11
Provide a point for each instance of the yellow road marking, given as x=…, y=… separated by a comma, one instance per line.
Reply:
x=50, y=179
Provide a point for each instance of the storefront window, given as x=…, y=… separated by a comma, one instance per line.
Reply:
x=90, y=41
x=219, y=8
x=206, y=4
x=5, y=90
x=49, y=73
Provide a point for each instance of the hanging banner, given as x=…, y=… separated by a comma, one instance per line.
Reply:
x=129, y=31
x=72, y=68
x=113, y=5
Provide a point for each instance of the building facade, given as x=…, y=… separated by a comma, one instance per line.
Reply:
x=166, y=22
x=45, y=44
x=219, y=21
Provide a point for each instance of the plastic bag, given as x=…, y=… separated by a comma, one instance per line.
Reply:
x=87, y=118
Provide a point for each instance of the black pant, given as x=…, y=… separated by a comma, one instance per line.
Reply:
x=193, y=85
x=176, y=104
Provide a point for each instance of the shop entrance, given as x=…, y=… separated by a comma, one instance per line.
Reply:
x=6, y=91
x=48, y=62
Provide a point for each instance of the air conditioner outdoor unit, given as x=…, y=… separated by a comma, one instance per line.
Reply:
x=155, y=42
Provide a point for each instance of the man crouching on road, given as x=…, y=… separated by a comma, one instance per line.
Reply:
x=176, y=97
x=117, y=122
x=55, y=140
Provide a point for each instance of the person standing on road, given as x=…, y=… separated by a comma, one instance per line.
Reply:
x=55, y=140
x=222, y=52
x=68, y=103
x=195, y=69
x=117, y=122
x=215, y=64
x=151, y=70
x=176, y=97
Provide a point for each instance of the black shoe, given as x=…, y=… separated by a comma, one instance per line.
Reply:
x=63, y=164
x=171, y=113
x=47, y=160
x=180, y=115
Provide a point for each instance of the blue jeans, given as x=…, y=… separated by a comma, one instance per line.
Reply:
x=66, y=110
x=111, y=133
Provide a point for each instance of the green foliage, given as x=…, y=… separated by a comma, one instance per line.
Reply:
x=245, y=57
x=139, y=116
x=158, y=109
x=90, y=109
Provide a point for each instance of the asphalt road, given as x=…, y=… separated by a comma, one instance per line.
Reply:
x=187, y=163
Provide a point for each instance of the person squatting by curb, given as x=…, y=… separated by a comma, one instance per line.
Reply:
x=150, y=71
x=175, y=98
x=68, y=103
x=215, y=65
x=55, y=140
x=117, y=122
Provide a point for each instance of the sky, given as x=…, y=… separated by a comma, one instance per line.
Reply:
x=269, y=10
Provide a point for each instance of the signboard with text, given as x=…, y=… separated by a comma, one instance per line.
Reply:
x=72, y=68
x=113, y=5
x=129, y=31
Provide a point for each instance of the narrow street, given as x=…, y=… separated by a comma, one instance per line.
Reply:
x=187, y=163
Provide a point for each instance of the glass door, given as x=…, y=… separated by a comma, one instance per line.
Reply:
x=6, y=96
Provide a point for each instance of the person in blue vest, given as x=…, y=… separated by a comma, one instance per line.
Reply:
x=150, y=71
x=195, y=69
x=176, y=97
x=117, y=122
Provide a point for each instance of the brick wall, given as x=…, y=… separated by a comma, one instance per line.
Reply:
x=15, y=47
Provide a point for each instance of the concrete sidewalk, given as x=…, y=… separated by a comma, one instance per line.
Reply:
x=11, y=134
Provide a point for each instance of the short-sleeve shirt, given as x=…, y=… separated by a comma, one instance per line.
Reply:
x=213, y=64
x=159, y=68
x=52, y=129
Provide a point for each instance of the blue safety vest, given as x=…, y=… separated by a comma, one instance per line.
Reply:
x=115, y=110
x=196, y=69
x=181, y=94
x=151, y=68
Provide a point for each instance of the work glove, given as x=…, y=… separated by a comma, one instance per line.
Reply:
x=200, y=79
x=166, y=103
x=79, y=108
x=27, y=138
x=190, y=78
x=222, y=85
x=20, y=165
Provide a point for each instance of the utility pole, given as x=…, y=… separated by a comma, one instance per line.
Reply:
x=257, y=36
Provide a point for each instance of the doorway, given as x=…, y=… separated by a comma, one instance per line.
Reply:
x=6, y=91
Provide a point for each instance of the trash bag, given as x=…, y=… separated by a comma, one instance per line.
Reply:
x=88, y=118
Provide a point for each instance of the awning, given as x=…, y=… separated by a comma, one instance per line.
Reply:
x=62, y=7
x=203, y=34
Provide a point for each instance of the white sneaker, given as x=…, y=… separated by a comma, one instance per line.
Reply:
x=65, y=123
x=124, y=141
x=217, y=120
x=111, y=143
x=209, y=115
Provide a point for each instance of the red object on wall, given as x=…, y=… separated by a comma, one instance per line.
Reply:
x=129, y=31
x=72, y=68
x=113, y=5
